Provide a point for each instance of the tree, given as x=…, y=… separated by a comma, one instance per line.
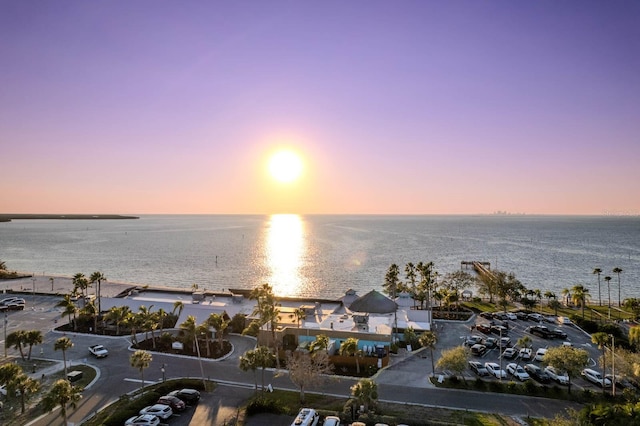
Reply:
x=119, y=315
x=634, y=337
x=306, y=370
x=457, y=281
x=455, y=359
x=148, y=322
x=68, y=308
x=8, y=374
x=580, y=296
x=248, y=362
x=566, y=295
x=267, y=309
x=410, y=274
x=350, y=348
x=65, y=395
x=321, y=343
x=365, y=392
x=264, y=359
x=555, y=304
x=391, y=287
x=299, y=314
x=428, y=340
x=601, y=339
x=62, y=344
x=190, y=329
x=220, y=324
x=617, y=270
x=178, y=305
x=31, y=338
x=80, y=282
x=141, y=359
x=567, y=358
x=598, y=271
x=133, y=321
x=91, y=310
x=17, y=340
x=25, y=386
x=523, y=342
x=98, y=277
x=425, y=284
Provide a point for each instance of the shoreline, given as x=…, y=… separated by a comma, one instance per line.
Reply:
x=11, y=217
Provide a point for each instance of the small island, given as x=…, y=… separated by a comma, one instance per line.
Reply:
x=10, y=217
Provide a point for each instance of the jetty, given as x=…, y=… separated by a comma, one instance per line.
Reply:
x=481, y=268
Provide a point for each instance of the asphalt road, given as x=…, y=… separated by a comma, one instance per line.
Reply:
x=406, y=381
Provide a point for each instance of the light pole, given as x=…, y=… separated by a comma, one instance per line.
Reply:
x=5, y=334
x=51, y=279
x=163, y=373
x=613, y=364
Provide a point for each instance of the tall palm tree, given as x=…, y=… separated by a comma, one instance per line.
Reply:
x=299, y=314
x=119, y=315
x=268, y=311
x=190, y=329
x=68, y=308
x=566, y=295
x=178, y=305
x=63, y=343
x=391, y=286
x=264, y=359
x=220, y=324
x=97, y=277
x=248, y=362
x=31, y=338
x=17, y=340
x=65, y=395
x=365, y=392
x=598, y=271
x=601, y=339
x=617, y=270
x=580, y=296
x=350, y=348
x=80, y=282
x=141, y=360
x=608, y=280
x=321, y=343
x=26, y=386
x=428, y=339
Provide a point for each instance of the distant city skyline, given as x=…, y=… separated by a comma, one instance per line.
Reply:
x=413, y=107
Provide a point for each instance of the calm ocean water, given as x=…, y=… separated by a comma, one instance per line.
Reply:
x=326, y=255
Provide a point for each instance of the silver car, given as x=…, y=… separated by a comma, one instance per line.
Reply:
x=559, y=376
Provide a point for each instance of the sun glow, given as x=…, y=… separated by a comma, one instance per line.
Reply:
x=285, y=249
x=285, y=166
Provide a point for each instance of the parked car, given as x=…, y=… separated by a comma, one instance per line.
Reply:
x=306, y=417
x=162, y=411
x=473, y=340
x=595, y=377
x=525, y=353
x=189, y=396
x=540, y=353
x=478, y=368
x=478, y=349
x=517, y=371
x=559, y=376
x=487, y=315
x=504, y=342
x=495, y=370
x=509, y=353
x=98, y=351
x=537, y=373
x=540, y=331
x=490, y=342
x=143, y=420
x=16, y=305
x=483, y=328
x=500, y=329
x=549, y=319
x=621, y=382
x=500, y=315
x=8, y=300
x=511, y=316
x=558, y=334
x=174, y=402
x=564, y=320
x=331, y=421
x=535, y=317
x=522, y=315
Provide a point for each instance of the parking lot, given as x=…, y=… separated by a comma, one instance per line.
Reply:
x=480, y=332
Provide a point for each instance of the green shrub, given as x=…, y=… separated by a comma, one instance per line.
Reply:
x=495, y=386
x=262, y=404
x=531, y=388
x=512, y=387
x=237, y=323
x=479, y=384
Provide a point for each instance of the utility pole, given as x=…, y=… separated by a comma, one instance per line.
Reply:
x=5, y=334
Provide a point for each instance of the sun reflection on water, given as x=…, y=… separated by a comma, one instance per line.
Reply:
x=284, y=251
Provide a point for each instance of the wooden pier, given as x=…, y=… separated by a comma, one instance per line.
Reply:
x=481, y=268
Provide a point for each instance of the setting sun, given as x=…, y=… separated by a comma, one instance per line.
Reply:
x=285, y=166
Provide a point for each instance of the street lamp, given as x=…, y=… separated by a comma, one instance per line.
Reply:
x=613, y=364
x=5, y=334
x=163, y=373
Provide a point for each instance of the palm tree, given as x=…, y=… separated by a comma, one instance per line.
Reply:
x=141, y=359
x=608, y=280
x=190, y=329
x=523, y=342
x=31, y=338
x=17, y=340
x=580, y=296
x=365, y=392
x=97, y=277
x=566, y=295
x=554, y=304
x=119, y=315
x=80, y=282
x=601, y=339
x=248, y=362
x=617, y=270
x=350, y=348
x=63, y=343
x=428, y=339
x=598, y=271
x=91, y=309
x=177, y=306
x=148, y=322
x=26, y=386
x=161, y=314
x=321, y=343
x=300, y=314
x=264, y=359
x=68, y=308
x=220, y=324
x=391, y=286
x=410, y=274
x=267, y=310
x=62, y=393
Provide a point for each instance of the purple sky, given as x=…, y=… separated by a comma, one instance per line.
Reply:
x=408, y=107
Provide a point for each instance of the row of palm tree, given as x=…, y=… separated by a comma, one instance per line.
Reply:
x=145, y=320
x=21, y=338
x=215, y=324
x=598, y=272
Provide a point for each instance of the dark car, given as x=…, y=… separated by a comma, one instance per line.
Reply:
x=473, y=340
x=537, y=373
x=487, y=315
x=189, y=396
x=558, y=334
x=490, y=342
x=478, y=349
x=499, y=329
x=522, y=315
x=540, y=331
x=174, y=402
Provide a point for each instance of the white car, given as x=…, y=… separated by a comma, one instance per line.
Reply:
x=525, y=353
x=511, y=316
x=517, y=371
x=540, y=353
x=161, y=410
x=143, y=420
x=331, y=421
x=595, y=377
x=495, y=370
x=559, y=376
x=98, y=351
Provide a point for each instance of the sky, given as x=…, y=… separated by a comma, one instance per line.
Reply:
x=393, y=107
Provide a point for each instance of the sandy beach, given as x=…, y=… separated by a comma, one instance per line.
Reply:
x=51, y=284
